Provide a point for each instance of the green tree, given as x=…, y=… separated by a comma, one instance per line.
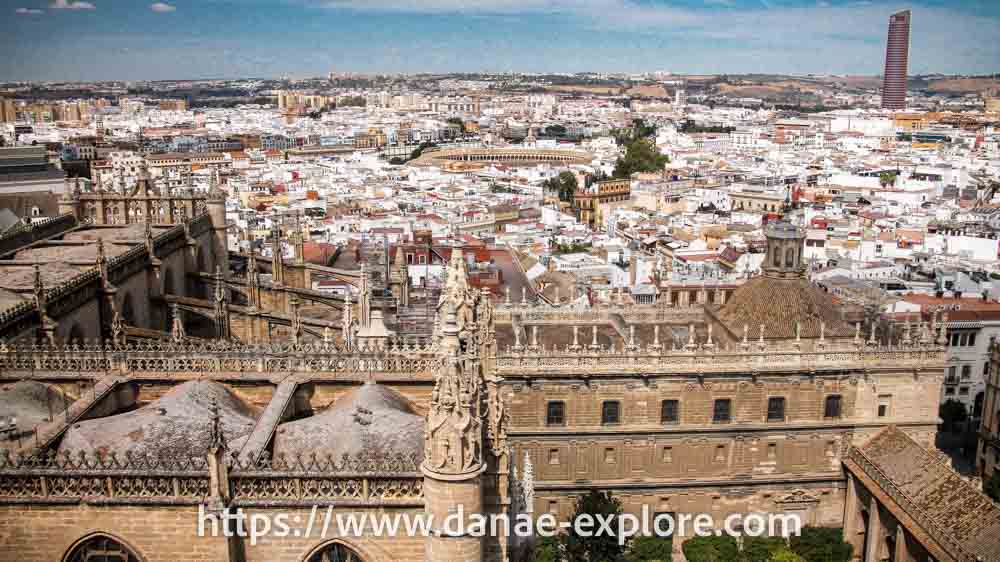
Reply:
x=594, y=548
x=721, y=548
x=564, y=184
x=887, y=178
x=952, y=413
x=456, y=121
x=641, y=155
x=651, y=549
x=991, y=487
x=821, y=544
x=785, y=555
x=545, y=550
x=760, y=549
x=555, y=130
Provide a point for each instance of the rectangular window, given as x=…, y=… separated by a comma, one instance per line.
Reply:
x=555, y=413
x=611, y=412
x=553, y=456
x=964, y=391
x=721, y=411
x=609, y=456
x=884, y=405
x=832, y=409
x=972, y=339
x=668, y=455
x=669, y=411
x=775, y=409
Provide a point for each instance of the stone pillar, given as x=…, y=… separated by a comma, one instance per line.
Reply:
x=216, y=206
x=902, y=553
x=874, y=532
x=852, y=516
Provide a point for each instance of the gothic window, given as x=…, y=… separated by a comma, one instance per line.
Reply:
x=101, y=548
x=832, y=409
x=670, y=411
x=721, y=412
x=776, y=409
x=611, y=412
x=335, y=552
x=555, y=413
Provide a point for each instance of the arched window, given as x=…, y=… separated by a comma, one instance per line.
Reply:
x=35, y=211
x=790, y=257
x=335, y=552
x=777, y=257
x=100, y=548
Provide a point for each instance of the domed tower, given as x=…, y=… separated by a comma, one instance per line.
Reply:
x=785, y=243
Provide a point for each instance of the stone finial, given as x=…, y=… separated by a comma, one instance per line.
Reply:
x=576, y=341
x=506, y=291
x=524, y=296
x=555, y=298
x=857, y=332
x=534, y=337
x=593, y=333
x=761, y=338
x=177, y=324
x=217, y=437
x=942, y=333
x=822, y=331
x=326, y=336
x=798, y=331
x=871, y=336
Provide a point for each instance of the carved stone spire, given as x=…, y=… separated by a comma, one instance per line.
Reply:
x=454, y=435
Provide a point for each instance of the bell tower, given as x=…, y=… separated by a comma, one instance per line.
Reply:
x=785, y=243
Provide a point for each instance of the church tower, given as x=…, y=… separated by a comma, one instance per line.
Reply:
x=785, y=243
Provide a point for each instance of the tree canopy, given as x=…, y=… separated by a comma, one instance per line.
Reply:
x=603, y=548
x=651, y=549
x=821, y=544
x=564, y=184
x=952, y=412
x=722, y=548
x=641, y=155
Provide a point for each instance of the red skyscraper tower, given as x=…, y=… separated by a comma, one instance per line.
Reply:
x=897, y=49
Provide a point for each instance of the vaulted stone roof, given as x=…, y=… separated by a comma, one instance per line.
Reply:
x=369, y=419
x=177, y=425
x=937, y=494
x=778, y=304
x=31, y=403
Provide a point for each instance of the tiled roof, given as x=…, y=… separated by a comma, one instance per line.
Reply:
x=778, y=304
x=954, y=511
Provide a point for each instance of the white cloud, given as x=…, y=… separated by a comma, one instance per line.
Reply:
x=162, y=8
x=76, y=5
x=28, y=12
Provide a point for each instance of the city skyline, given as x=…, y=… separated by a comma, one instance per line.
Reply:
x=117, y=40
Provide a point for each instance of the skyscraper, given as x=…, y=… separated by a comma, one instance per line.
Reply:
x=897, y=49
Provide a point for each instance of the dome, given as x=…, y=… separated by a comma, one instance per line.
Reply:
x=366, y=418
x=177, y=425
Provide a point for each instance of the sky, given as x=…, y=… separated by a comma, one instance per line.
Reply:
x=77, y=40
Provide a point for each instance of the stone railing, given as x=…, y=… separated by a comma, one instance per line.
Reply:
x=217, y=359
x=24, y=234
x=698, y=359
x=563, y=315
x=943, y=536
x=69, y=478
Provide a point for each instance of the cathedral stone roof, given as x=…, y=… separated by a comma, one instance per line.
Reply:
x=937, y=494
x=778, y=303
x=31, y=403
x=369, y=418
x=177, y=425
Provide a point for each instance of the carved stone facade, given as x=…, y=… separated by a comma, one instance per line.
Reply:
x=522, y=413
